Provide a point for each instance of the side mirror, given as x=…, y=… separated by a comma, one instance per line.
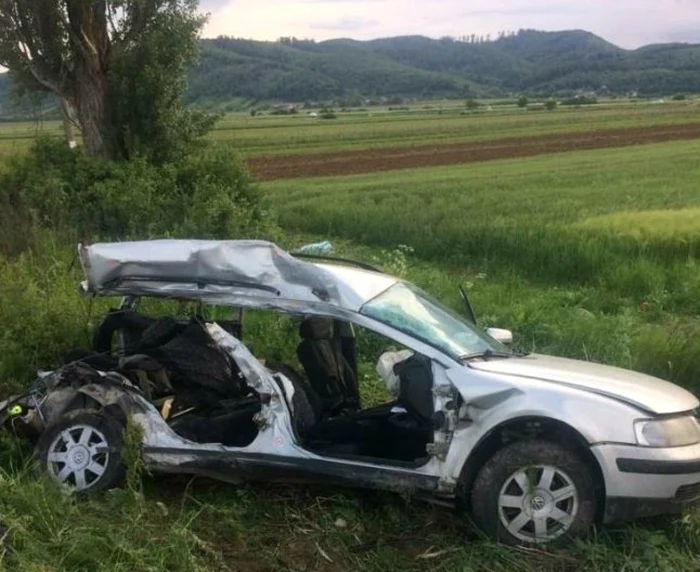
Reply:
x=503, y=336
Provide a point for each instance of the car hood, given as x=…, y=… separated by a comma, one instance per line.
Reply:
x=643, y=391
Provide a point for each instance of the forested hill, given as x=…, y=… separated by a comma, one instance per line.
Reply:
x=531, y=62
x=538, y=63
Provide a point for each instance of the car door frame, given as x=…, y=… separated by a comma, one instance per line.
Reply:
x=291, y=461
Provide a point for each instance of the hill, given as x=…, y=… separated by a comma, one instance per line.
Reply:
x=531, y=62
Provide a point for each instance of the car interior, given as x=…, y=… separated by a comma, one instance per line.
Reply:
x=204, y=397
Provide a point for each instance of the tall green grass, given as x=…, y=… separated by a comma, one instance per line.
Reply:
x=193, y=525
x=591, y=255
x=527, y=215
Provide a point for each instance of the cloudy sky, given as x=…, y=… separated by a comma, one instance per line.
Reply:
x=628, y=23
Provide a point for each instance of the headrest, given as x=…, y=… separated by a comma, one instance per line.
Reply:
x=316, y=328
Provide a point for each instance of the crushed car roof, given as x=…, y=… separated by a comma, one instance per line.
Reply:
x=223, y=268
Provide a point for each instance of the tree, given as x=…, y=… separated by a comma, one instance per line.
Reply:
x=472, y=104
x=119, y=64
x=550, y=104
x=523, y=101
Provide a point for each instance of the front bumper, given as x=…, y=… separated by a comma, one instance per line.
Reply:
x=644, y=481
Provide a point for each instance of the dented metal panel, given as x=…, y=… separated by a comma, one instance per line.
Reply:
x=256, y=269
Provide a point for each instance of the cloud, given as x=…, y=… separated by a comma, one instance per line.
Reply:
x=207, y=5
x=344, y=25
x=629, y=23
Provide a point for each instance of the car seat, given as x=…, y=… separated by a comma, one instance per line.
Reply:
x=329, y=373
x=398, y=430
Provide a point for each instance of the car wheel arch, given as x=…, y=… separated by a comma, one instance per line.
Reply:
x=91, y=397
x=525, y=428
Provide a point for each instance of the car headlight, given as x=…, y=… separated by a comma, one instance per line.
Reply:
x=675, y=432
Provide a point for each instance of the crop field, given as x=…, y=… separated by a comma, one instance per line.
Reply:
x=349, y=162
x=579, y=229
x=422, y=125
x=591, y=253
x=381, y=128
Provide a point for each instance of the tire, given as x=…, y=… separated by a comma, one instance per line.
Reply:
x=534, y=493
x=92, y=461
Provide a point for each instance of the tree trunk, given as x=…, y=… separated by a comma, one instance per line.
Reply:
x=90, y=101
x=67, y=123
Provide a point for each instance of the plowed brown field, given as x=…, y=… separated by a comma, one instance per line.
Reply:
x=370, y=161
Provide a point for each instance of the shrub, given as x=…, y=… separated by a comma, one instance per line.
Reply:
x=208, y=194
x=285, y=111
x=580, y=100
x=42, y=314
x=523, y=101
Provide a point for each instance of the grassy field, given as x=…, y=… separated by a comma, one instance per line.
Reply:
x=589, y=254
x=18, y=137
x=377, y=128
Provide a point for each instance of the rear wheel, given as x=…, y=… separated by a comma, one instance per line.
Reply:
x=82, y=451
x=534, y=492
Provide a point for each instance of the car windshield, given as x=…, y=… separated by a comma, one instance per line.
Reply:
x=413, y=312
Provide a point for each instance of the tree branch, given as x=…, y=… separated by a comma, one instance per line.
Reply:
x=49, y=84
x=142, y=12
x=70, y=26
x=115, y=36
x=25, y=46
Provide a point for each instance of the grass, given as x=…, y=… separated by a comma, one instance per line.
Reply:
x=375, y=128
x=192, y=525
x=590, y=255
x=269, y=135
x=680, y=225
x=547, y=235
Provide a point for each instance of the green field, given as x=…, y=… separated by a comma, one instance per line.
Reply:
x=592, y=255
x=377, y=129
x=440, y=123
x=573, y=245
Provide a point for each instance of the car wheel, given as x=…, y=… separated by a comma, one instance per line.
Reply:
x=82, y=451
x=534, y=492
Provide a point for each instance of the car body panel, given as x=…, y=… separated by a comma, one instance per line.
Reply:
x=255, y=269
x=622, y=483
x=643, y=391
x=358, y=286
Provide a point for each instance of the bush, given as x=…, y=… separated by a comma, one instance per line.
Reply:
x=285, y=111
x=208, y=194
x=580, y=100
x=328, y=115
x=41, y=312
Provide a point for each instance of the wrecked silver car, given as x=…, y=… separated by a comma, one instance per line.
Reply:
x=535, y=449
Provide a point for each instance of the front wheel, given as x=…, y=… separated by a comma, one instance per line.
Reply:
x=534, y=492
x=82, y=451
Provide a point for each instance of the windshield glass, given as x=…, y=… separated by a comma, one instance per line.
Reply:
x=412, y=311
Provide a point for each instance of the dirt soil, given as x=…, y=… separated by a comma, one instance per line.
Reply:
x=375, y=160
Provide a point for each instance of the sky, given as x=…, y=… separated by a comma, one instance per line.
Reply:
x=627, y=23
